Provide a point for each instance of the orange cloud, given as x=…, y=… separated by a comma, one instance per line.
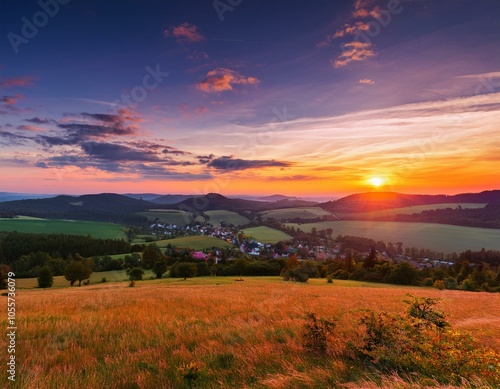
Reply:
x=366, y=81
x=222, y=79
x=354, y=51
x=184, y=33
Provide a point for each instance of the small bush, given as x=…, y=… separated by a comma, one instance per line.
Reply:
x=104, y=279
x=329, y=279
x=132, y=284
x=439, y=284
x=317, y=332
x=190, y=372
x=421, y=342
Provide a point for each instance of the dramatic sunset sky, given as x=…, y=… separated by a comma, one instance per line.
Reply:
x=303, y=97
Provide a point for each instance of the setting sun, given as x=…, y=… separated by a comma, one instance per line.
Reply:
x=376, y=181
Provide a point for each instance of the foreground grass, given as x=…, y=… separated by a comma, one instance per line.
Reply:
x=71, y=227
x=229, y=334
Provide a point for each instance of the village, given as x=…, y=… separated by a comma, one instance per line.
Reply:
x=303, y=249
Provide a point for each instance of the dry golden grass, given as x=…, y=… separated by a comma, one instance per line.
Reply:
x=239, y=334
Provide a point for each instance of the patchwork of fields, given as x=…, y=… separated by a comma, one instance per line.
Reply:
x=437, y=237
x=417, y=209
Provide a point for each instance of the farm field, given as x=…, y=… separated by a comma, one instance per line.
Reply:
x=231, y=334
x=291, y=213
x=71, y=227
x=266, y=234
x=95, y=278
x=416, y=209
x=437, y=237
x=218, y=216
x=194, y=242
x=171, y=216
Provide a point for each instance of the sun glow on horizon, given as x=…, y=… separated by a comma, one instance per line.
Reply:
x=377, y=182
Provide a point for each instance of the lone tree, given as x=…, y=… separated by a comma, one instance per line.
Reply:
x=150, y=255
x=135, y=273
x=159, y=268
x=45, y=278
x=186, y=270
x=77, y=271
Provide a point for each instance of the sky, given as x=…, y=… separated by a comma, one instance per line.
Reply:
x=255, y=97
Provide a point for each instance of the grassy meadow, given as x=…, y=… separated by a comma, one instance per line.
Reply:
x=291, y=213
x=417, y=209
x=266, y=234
x=215, y=333
x=194, y=242
x=437, y=237
x=171, y=216
x=218, y=216
x=71, y=227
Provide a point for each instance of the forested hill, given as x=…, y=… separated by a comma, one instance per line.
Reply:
x=374, y=201
x=108, y=207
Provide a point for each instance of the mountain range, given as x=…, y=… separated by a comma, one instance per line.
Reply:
x=117, y=208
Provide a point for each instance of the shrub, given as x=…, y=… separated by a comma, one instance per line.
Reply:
x=428, y=282
x=422, y=342
x=329, y=279
x=45, y=278
x=439, y=284
x=317, y=332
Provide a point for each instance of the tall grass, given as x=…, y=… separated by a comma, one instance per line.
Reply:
x=165, y=334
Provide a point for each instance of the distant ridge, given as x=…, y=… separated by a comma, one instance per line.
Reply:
x=11, y=196
x=372, y=201
x=276, y=197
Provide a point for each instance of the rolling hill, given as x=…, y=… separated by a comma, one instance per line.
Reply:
x=374, y=201
x=107, y=207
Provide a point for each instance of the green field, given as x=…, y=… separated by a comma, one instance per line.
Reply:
x=195, y=242
x=171, y=216
x=266, y=234
x=416, y=209
x=292, y=213
x=218, y=216
x=71, y=227
x=95, y=278
x=438, y=237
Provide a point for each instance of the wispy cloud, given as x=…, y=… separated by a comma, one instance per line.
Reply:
x=222, y=79
x=366, y=81
x=229, y=163
x=16, y=81
x=354, y=51
x=184, y=33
